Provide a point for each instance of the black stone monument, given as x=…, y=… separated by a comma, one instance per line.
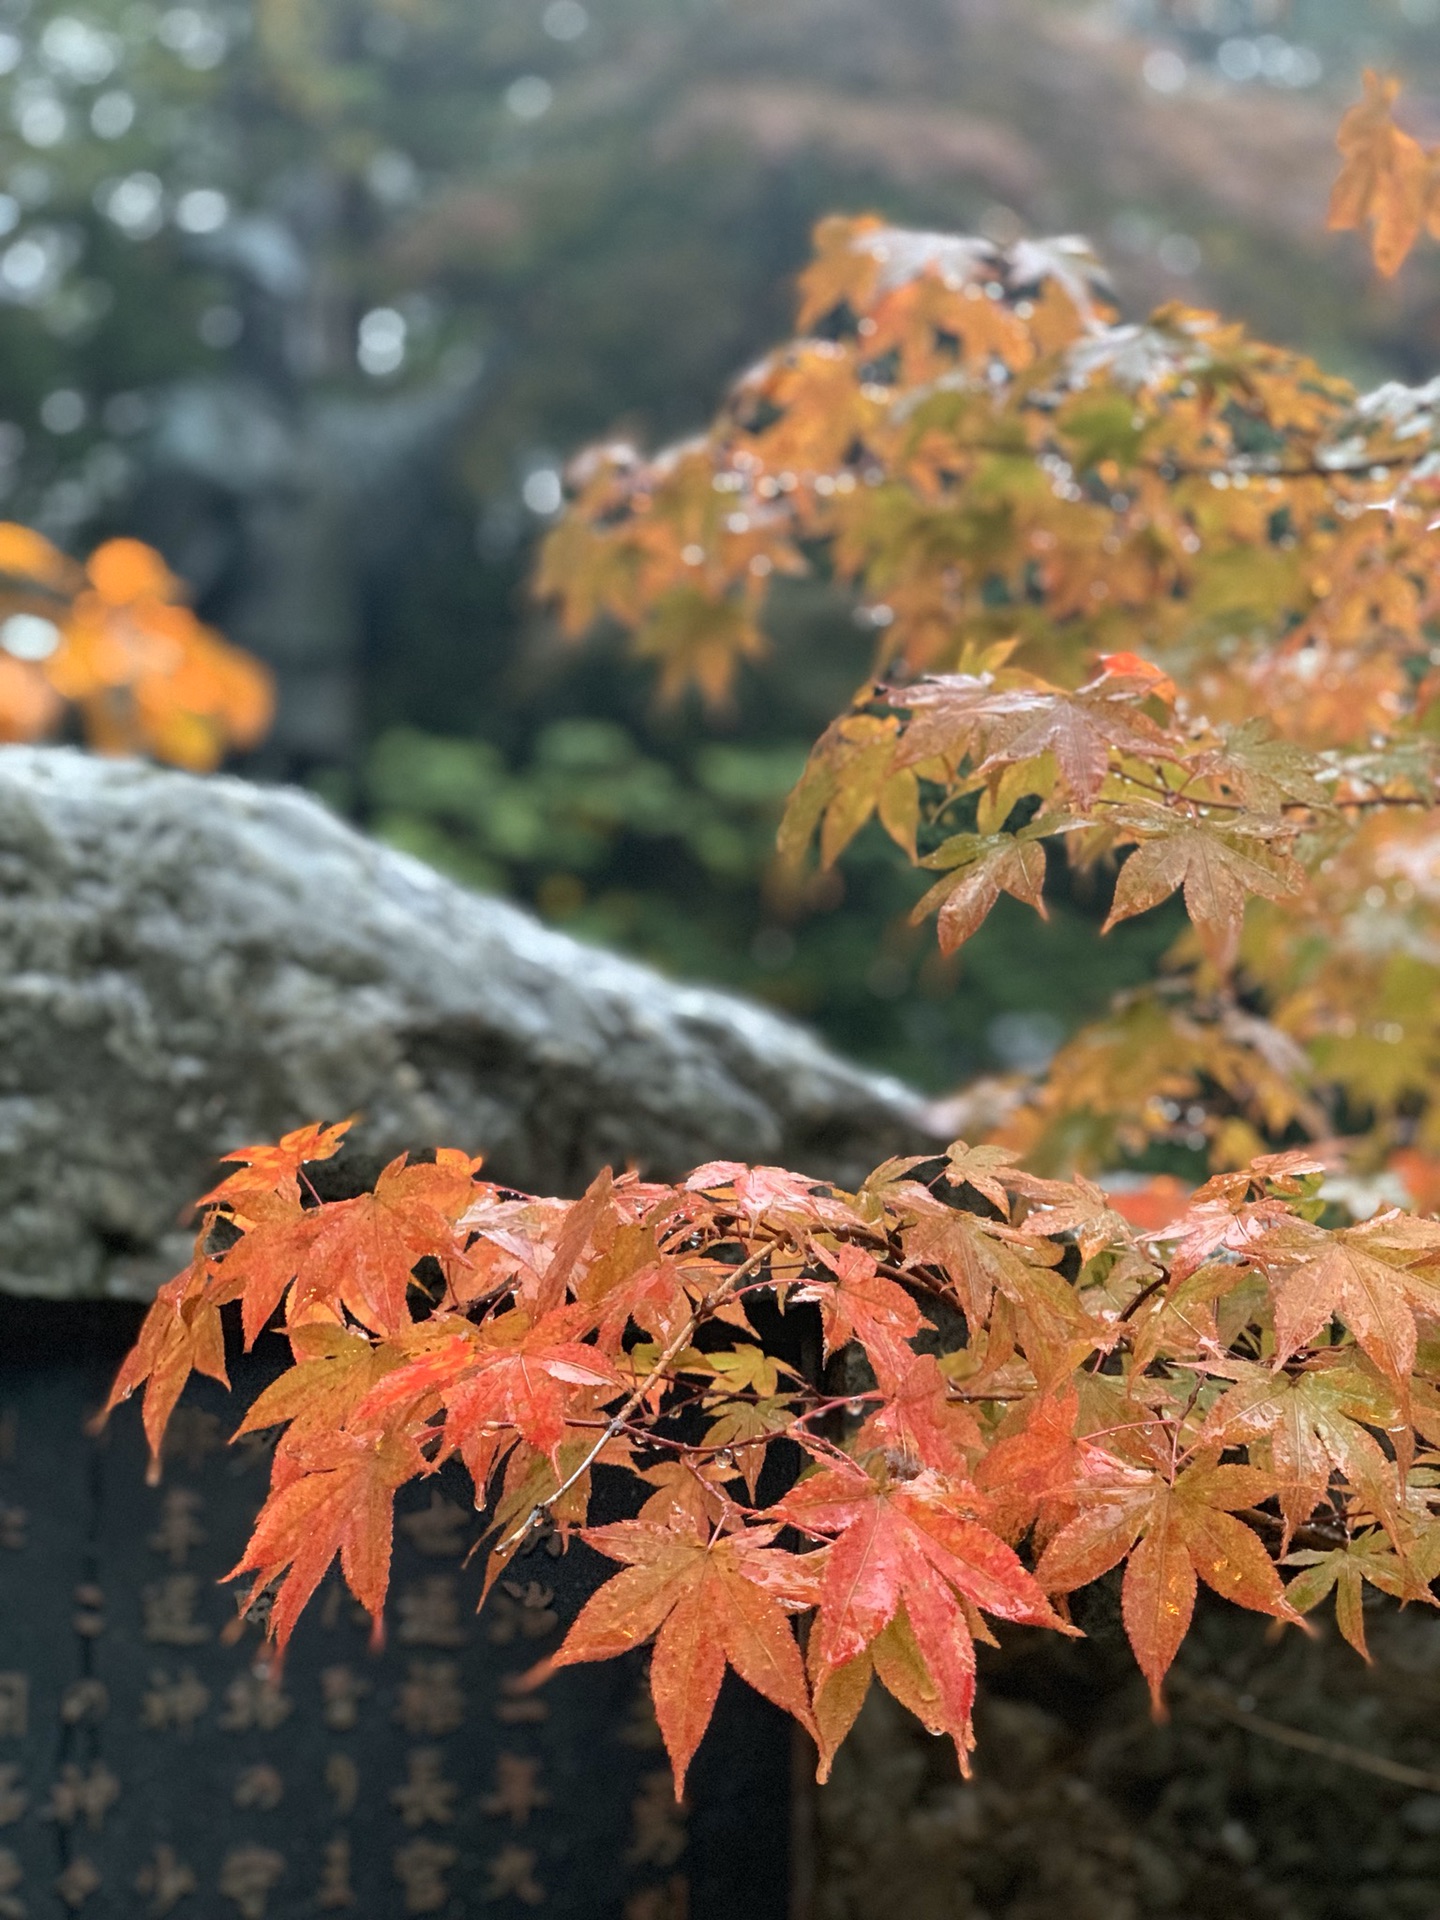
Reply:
x=148, y=1768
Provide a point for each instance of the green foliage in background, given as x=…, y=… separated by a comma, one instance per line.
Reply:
x=672, y=859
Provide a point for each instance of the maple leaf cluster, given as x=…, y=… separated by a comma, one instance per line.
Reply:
x=1160, y=601
x=114, y=642
x=997, y=1391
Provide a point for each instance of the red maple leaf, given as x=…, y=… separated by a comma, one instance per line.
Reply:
x=915, y=1544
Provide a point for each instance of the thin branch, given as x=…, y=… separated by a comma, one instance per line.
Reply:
x=617, y=1421
x=1211, y=1700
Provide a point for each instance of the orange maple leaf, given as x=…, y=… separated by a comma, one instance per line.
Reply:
x=709, y=1603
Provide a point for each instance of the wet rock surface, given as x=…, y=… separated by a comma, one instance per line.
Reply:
x=188, y=964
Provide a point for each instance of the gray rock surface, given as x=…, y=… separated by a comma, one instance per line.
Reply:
x=188, y=964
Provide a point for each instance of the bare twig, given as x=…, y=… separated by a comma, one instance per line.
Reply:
x=1212, y=1700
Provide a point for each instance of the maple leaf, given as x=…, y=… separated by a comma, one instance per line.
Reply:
x=1368, y=1558
x=273, y=1169
x=1171, y=1533
x=512, y=1378
x=1265, y=771
x=984, y=1168
x=353, y=1254
x=744, y=1428
x=1311, y=1424
x=181, y=1334
x=339, y=1501
x=334, y=1371
x=861, y=1304
x=1216, y=864
x=914, y=1543
x=1387, y=180
x=708, y=1603
x=954, y=714
x=917, y=1421
x=1373, y=1276
x=979, y=869
x=633, y=1282
x=1033, y=1454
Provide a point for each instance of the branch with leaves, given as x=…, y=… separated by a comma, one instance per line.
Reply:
x=1156, y=598
x=1012, y=1393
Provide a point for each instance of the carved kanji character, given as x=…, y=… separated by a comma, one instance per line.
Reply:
x=513, y=1871
x=13, y=1522
x=78, y=1881
x=640, y=1729
x=437, y=1530
x=260, y=1786
x=429, y=1700
x=84, y=1700
x=254, y=1700
x=420, y=1867
x=88, y=1618
x=342, y=1777
x=248, y=1876
x=169, y=1608
x=179, y=1530
x=335, y=1890
x=13, y=1797
x=659, y=1831
x=430, y=1613
x=670, y=1902
x=78, y=1794
x=516, y=1708
x=425, y=1796
x=14, y=1705
x=191, y=1437
x=342, y=1690
x=176, y=1703
x=12, y=1874
x=517, y=1791
x=164, y=1881
x=518, y=1610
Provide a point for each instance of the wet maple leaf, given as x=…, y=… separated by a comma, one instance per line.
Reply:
x=861, y=1304
x=1311, y=1424
x=339, y=1501
x=915, y=1543
x=182, y=1334
x=917, y=1420
x=1217, y=866
x=511, y=1379
x=1368, y=1559
x=334, y=1370
x=1374, y=1276
x=1168, y=1534
x=353, y=1255
x=979, y=870
x=708, y=1602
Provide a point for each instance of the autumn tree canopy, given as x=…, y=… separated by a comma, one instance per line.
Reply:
x=112, y=647
x=1156, y=599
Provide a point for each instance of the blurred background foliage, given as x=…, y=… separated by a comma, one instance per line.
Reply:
x=317, y=295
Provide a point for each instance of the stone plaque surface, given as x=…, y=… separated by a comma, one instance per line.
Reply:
x=147, y=1768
